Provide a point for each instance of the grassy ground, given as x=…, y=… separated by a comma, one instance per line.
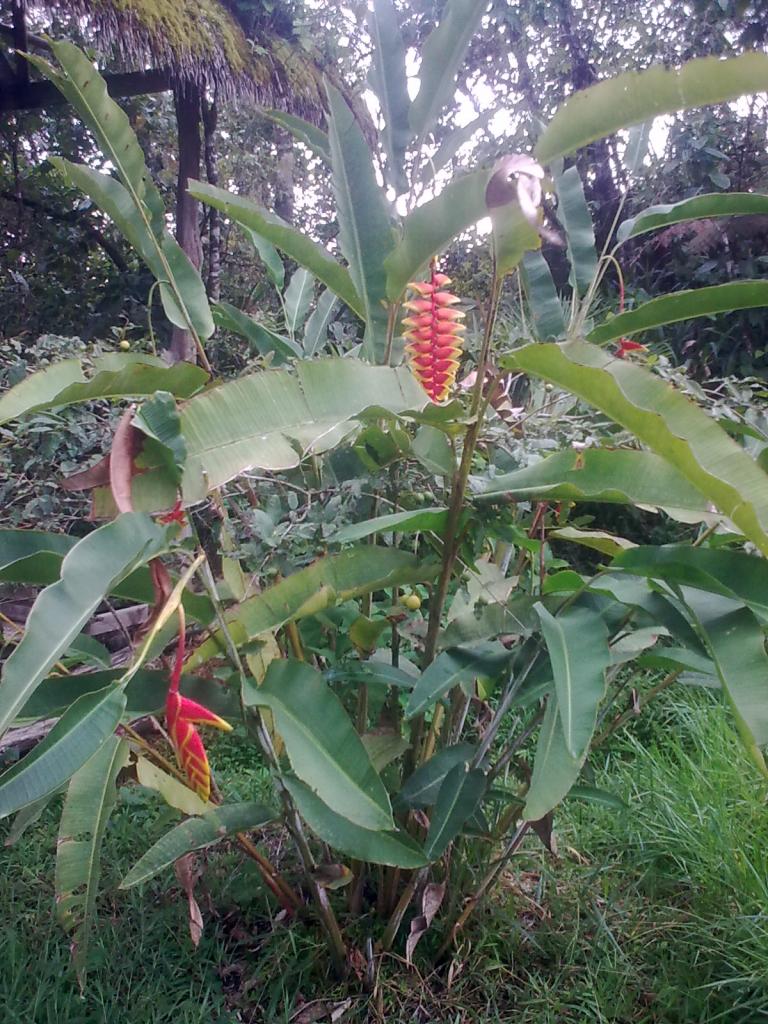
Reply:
x=655, y=914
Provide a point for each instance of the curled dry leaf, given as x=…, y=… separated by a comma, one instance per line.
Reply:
x=431, y=898
x=125, y=446
x=188, y=873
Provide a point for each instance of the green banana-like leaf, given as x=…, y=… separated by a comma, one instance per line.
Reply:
x=325, y=751
x=663, y=420
x=460, y=794
x=577, y=642
x=713, y=204
x=684, y=305
x=316, y=330
x=145, y=693
x=291, y=241
x=158, y=419
x=543, y=300
x=574, y=215
x=391, y=86
x=197, y=834
x=441, y=57
x=89, y=571
x=452, y=143
x=269, y=256
x=637, y=96
x=310, y=135
x=365, y=233
x=261, y=338
x=453, y=667
x=33, y=556
x=394, y=848
x=513, y=237
x=335, y=578
x=555, y=769
x=90, y=798
x=134, y=202
x=421, y=788
x=115, y=375
x=272, y=419
x=433, y=519
x=297, y=299
x=432, y=226
x=76, y=737
x=735, y=641
x=615, y=475
x=732, y=574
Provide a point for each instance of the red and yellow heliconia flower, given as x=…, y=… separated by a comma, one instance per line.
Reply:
x=433, y=332
x=181, y=717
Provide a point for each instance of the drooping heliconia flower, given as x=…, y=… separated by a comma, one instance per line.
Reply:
x=433, y=332
x=181, y=717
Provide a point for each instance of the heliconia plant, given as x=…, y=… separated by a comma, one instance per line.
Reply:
x=428, y=736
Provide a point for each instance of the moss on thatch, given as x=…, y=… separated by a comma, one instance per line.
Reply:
x=200, y=42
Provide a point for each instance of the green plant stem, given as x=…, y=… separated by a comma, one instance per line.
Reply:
x=622, y=719
x=476, y=898
x=254, y=722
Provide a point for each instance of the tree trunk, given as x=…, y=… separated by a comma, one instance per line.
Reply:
x=187, y=100
x=213, y=283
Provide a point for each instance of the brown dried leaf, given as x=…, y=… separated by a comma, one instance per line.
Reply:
x=95, y=476
x=431, y=899
x=125, y=446
x=188, y=874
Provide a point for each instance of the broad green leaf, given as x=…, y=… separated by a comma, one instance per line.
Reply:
x=365, y=232
x=736, y=642
x=383, y=748
x=197, y=834
x=441, y=57
x=116, y=375
x=135, y=205
x=329, y=580
x=391, y=86
x=685, y=305
x=664, y=420
x=174, y=792
x=421, y=788
x=577, y=642
x=490, y=620
x=181, y=288
x=27, y=817
x=89, y=571
x=555, y=770
x=269, y=257
x=76, y=737
x=394, y=848
x=272, y=419
x=432, y=519
x=733, y=574
x=297, y=298
x=614, y=475
x=598, y=540
x=261, y=338
x=90, y=798
x=316, y=330
x=671, y=658
x=637, y=96
x=371, y=671
x=432, y=226
x=543, y=300
x=513, y=237
x=32, y=556
x=145, y=693
x=452, y=143
x=310, y=135
x=715, y=204
x=325, y=751
x=433, y=450
x=290, y=240
x=664, y=610
x=158, y=419
x=460, y=793
x=453, y=667
x=574, y=215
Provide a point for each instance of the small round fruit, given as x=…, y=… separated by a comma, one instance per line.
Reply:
x=412, y=602
x=124, y=344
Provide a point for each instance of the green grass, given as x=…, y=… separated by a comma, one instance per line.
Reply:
x=655, y=914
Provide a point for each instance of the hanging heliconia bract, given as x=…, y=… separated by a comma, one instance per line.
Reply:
x=433, y=332
x=181, y=717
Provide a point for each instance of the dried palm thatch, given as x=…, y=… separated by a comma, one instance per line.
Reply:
x=200, y=43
